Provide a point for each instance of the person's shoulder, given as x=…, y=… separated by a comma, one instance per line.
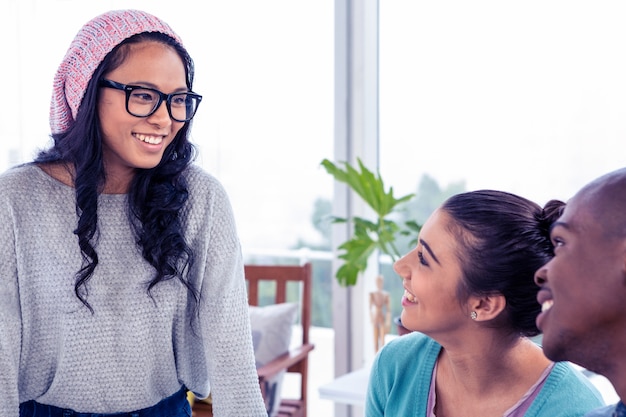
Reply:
x=17, y=170
x=201, y=181
x=196, y=174
x=565, y=373
x=413, y=338
x=408, y=360
x=606, y=411
x=205, y=191
x=406, y=346
x=18, y=177
x=566, y=389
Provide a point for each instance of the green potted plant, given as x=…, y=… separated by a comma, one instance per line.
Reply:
x=369, y=235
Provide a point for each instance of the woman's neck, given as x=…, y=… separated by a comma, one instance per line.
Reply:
x=486, y=378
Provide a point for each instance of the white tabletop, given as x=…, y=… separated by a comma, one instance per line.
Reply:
x=350, y=388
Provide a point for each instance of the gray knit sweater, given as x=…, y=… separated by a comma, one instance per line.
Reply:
x=133, y=350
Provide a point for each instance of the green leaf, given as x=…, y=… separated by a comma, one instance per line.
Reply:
x=367, y=235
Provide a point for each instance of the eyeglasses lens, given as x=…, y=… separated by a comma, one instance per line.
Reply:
x=143, y=102
x=183, y=106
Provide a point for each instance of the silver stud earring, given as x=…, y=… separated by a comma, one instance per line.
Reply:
x=473, y=315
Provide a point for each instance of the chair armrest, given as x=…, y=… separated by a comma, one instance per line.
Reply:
x=284, y=361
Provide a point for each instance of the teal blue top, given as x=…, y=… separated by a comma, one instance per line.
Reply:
x=613, y=410
x=401, y=373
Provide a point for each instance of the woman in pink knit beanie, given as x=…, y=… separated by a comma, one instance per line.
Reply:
x=121, y=275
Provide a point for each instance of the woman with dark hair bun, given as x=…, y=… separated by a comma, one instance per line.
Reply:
x=121, y=276
x=471, y=301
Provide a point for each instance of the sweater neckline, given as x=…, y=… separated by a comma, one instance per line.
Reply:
x=61, y=185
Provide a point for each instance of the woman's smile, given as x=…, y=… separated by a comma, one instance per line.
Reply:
x=151, y=139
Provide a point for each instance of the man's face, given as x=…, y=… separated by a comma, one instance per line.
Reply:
x=583, y=288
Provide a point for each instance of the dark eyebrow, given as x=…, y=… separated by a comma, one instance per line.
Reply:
x=429, y=250
x=561, y=224
x=154, y=87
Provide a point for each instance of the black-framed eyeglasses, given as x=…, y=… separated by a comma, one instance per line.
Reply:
x=144, y=101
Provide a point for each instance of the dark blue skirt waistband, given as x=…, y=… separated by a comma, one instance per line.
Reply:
x=173, y=406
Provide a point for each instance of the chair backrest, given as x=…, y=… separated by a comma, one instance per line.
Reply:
x=296, y=360
x=281, y=275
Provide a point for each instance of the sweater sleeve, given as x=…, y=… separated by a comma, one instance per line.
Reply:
x=10, y=317
x=225, y=320
x=376, y=391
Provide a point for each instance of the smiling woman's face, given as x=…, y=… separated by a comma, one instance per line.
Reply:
x=431, y=274
x=131, y=142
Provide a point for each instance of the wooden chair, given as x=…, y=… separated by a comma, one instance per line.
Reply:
x=296, y=360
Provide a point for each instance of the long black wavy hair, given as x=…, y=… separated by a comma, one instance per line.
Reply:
x=503, y=240
x=156, y=195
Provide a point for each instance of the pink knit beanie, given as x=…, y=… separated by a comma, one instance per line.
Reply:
x=88, y=49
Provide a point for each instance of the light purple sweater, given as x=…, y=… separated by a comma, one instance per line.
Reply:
x=134, y=350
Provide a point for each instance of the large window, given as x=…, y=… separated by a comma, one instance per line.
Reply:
x=527, y=97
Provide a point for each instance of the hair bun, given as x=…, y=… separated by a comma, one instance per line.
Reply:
x=550, y=213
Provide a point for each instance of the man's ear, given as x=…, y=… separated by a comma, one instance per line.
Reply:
x=487, y=307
